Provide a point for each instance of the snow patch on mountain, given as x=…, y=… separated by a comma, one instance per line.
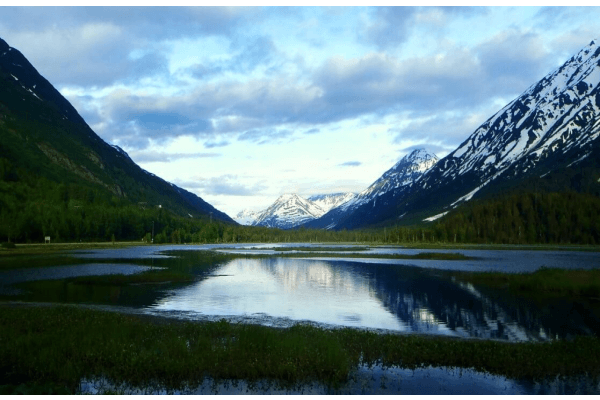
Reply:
x=435, y=217
x=328, y=201
x=291, y=210
x=288, y=211
x=408, y=170
x=559, y=114
x=247, y=217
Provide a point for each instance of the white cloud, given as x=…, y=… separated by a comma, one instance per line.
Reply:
x=293, y=97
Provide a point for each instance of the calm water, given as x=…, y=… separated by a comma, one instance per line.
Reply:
x=405, y=296
x=379, y=381
x=402, y=296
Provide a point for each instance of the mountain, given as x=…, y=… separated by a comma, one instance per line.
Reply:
x=288, y=211
x=45, y=143
x=545, y=139
x=406, y=171
x=246, y=217
x=291, y=210
x=328, y=201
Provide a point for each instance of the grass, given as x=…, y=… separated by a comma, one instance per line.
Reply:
x=50, y=349
x=553, y=281
x=43, y=255
x=155, y=276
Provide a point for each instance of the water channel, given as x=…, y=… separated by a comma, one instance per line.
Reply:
x=387, y=295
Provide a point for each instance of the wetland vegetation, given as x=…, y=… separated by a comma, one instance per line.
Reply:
x=51, y=349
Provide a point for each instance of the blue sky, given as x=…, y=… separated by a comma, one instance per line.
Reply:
x=242, y=104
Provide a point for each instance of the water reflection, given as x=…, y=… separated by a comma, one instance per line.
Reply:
x=364, y=293
x=281, y=288
x=377, y=296
x=374, y=380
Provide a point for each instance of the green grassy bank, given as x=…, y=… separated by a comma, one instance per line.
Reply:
x=50, y=349
x=549, y=281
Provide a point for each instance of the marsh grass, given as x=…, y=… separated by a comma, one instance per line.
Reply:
x=559, y=282
x=54, y=348
x=153, y=276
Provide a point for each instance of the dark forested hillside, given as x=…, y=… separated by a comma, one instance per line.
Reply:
x=525, y=218
x=50, y=159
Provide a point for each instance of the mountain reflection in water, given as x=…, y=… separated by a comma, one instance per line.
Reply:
x=376, y=296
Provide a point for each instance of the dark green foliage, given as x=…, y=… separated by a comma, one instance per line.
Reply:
x=524, y=218
x=554, y=281
x=518, y=218
x=46, y=349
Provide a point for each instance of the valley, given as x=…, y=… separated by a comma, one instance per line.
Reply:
x=478, y=268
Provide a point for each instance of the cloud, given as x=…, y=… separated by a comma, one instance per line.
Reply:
x=350, y=164
x=312, y=131
x=263, y=110
x=552, y=17
x=153, y=156
x=514, y=59
x=390, y=27
x=210, y=144
x=91, y=46
x=260, y=94
x=92, y=54
x=264, y=136
x=223, y=185
x=246, y=55
x=150, y=22
x=442, y=131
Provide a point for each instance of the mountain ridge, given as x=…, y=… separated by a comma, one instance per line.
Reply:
x=407, y=170
x=43, y=135
x=541, y=135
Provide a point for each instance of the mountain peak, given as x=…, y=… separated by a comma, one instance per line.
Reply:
x=3, y=45
x=287, y=197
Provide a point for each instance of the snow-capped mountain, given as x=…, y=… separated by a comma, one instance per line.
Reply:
x=288, y=211
x=546, y=132
x=328, y=201
x=406, y=171
x=291, y=210
x=246, y=217
x=555, y=117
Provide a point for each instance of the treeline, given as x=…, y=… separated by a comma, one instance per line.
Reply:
x=73, y=213
x=31, y=209
x=524, y=218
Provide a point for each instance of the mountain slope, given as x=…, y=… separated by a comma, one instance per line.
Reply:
x=291, y=210
x=546, y=138
x=288, y=211
x=43, y=137
x=406, y=171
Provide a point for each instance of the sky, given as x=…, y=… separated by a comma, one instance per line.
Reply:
x=242, y=104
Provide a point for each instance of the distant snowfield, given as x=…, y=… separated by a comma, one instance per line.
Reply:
x=435, y=217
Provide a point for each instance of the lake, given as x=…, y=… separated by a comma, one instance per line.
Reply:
x=403, y=296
